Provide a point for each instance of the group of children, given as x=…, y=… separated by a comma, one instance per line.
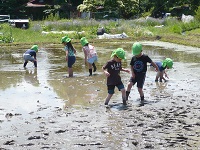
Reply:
x=89, y=53
x=112, y=68
x=138, y=66
x=88, y=49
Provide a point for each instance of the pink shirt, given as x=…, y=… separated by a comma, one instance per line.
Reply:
x=90, y=51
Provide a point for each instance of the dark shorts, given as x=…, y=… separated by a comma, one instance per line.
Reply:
x=71, y=61
x=139, y=78
x=111, y=88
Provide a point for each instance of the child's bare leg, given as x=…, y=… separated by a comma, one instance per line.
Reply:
x=140, y=90
x=130, y=84
x=123, y=96
x=70, y=71
x=89, y=66
x=161, y=76
x=157, y=76
x=108, y=99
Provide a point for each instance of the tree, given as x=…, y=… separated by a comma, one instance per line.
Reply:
x=89, y=5
x=128, y=8
x=13, y=7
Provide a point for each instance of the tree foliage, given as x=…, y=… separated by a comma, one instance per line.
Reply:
x=12, y=7
x=130, y=8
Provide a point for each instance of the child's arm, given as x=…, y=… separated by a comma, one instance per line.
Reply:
x=85, y=55
x=162, y=77
x=125, y=70
x=132, y=72
x=74, y=50
x=155, y=66
x=166, y=74
x=105, y=72
x=66, y=55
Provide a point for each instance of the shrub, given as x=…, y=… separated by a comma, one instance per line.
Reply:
x=197, y=16
x=176, y=29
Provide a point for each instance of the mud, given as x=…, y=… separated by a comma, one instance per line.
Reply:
x=44, y=109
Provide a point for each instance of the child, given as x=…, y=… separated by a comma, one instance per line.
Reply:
x=70, y=54
x=138, y=69
x=90, y=55
x=167, y=63
x=112, y=69
x=30, y=55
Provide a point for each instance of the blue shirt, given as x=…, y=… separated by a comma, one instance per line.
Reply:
x=31, y=52
x=160, y=67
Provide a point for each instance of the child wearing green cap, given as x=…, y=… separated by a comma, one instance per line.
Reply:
x=162, y=66
x=90, y=55
x=112, y=71
x=138, y=69
x=30, y=55
x=70, y=54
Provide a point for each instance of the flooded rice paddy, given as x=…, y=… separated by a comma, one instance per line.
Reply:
x=44, y=109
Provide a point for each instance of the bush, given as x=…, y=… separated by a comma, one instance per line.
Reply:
x=197, y=16
x=176, y=29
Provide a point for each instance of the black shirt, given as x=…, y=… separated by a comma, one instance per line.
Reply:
x=113, y=68
x=139, y=64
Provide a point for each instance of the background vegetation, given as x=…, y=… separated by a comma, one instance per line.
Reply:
x=40, y=32
x=170, y=29
x=125, y=9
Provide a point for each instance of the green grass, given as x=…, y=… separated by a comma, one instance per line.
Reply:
x=173, y=31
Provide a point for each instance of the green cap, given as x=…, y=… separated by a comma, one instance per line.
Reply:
x=120, y=53
x=167, y=63
x=67, y=40
x=136, y=48
x=35, y=48
x=64, y=39
x=84, y=41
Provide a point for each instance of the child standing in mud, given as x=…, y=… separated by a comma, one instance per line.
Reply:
x=70, y=54
x=30, y=55
x=112, y=71
x=90, y=55
x=138, y=69
x=162, y=66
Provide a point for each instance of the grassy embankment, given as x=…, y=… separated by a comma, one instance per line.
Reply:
x=171, y=31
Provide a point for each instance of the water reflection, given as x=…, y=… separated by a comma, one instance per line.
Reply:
x=31, y=77
x=161, y=88
x=9, y=79
x=80, y=90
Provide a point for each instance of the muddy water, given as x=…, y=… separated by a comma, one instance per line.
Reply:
x=44, y=109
